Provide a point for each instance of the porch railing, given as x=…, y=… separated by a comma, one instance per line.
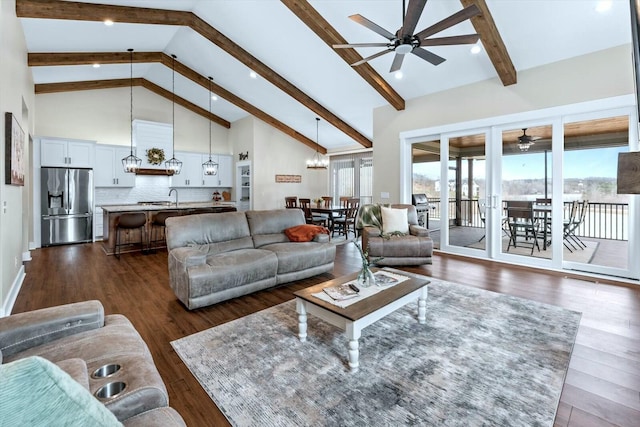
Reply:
x=601, y=221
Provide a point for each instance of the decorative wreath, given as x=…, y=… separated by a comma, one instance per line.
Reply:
x=155, y=156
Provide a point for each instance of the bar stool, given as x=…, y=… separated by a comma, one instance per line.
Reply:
x=157, y=226
x=126, y=223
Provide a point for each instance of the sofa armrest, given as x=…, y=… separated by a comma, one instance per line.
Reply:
x=366, y=233
x=416, y=230
x=188, y=257
x=26, y=330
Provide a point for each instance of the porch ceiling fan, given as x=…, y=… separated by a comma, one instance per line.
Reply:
x=404, y=41
x=525, y=141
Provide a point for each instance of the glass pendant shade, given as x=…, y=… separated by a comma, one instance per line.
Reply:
x=131, y=163
x=317, y=162
x=173, y=166
x=210, y=167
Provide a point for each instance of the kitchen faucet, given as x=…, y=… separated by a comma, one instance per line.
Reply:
x=171, y=191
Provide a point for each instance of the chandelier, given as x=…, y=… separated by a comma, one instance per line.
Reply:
x=210, y=167
x=173, y=165
x=316, y=162
x=131, y=163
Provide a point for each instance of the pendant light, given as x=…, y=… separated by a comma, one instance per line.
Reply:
x=210, y=167
x=317, y=162
x=131, y=163
x=173, y=166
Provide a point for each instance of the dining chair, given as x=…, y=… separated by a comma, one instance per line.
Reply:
x=305, y=205
x=522, y=224
x=291, y=202
x=348, y=222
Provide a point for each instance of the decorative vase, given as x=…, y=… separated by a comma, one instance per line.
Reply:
x=318, y=205
x=366, y=277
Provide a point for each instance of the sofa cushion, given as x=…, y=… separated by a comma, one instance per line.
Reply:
x=268, y=227
x=77, y=369
x=231, y=269
x=35, y=392
x=298, y=256
x=394, y=220
x=202, y=229
x=304, y=232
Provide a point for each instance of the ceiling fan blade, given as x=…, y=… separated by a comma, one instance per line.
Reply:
x=444, y=41
x=397, y=63
x=342, y=46
x=368, y=58
x=372, y=26
x=452, y=20
x=411, y=18
x=428, y=56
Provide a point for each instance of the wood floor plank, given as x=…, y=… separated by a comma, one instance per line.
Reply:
x=599, y=390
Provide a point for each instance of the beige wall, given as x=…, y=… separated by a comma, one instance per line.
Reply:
x=16, y=96
x=277, y=153
x=103, y=116
x=595, y=76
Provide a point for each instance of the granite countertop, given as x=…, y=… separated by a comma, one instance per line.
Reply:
x=161, y=205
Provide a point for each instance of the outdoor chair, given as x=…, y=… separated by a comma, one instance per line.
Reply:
x=482, y=211
x=523, y=226
x=577, y=214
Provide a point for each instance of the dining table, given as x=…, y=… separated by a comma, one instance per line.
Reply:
x=332, y=212
x=543, y=213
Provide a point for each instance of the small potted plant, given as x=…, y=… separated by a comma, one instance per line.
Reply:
x=318, y=201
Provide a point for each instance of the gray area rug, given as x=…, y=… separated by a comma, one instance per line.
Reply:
x=482, y=359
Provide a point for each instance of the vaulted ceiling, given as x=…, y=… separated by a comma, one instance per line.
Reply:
x=288, y=44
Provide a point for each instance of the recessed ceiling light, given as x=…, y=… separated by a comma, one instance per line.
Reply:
x=604, y=6
x=96, y=65
x=398, y=75
x=476, y=49
x=108, y=22
x=253, y=75
x=214, y=98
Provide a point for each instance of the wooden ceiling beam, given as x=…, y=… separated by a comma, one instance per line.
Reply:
x=87, y=58
x=492, y=42
x=57, y=9
x=117, y=83
x=316, y=22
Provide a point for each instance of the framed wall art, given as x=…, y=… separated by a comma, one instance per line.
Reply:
x=14, y=151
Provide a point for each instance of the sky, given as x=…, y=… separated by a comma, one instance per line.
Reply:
x=601, y=162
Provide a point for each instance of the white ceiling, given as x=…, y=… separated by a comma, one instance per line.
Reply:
x=535, y=32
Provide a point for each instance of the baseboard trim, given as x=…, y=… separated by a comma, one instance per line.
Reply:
x=7, y=306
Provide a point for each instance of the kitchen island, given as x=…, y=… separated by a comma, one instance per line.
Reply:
x=111, y=215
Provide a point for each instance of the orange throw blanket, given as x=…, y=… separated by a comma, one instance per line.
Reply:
x=305, y=232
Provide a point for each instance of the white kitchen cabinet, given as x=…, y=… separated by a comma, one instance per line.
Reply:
x=224, y=178
x=108, y=171
x=56, y=152
x=191, y=173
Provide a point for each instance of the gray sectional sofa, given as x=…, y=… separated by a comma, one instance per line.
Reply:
x=216, y=257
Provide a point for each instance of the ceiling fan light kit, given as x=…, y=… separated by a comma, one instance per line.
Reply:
x=526, y=141
x=317, y=162
x=404, y=41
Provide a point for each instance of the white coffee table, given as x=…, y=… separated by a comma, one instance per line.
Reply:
x=354, y=318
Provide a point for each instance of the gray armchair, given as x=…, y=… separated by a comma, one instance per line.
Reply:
x=414, y=248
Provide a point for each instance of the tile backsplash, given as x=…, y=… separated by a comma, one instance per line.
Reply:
x=151, y=188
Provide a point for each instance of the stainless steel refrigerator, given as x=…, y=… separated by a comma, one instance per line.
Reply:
x=67, y=204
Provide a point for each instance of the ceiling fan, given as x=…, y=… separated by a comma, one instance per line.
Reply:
x=404, y=41
x=525, y=141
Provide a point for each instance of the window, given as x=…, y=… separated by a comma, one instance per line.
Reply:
x=352, y=175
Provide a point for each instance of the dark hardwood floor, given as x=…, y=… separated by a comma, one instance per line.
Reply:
x=602, y=386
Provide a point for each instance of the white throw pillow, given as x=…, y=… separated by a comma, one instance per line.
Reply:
x=394, y=220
